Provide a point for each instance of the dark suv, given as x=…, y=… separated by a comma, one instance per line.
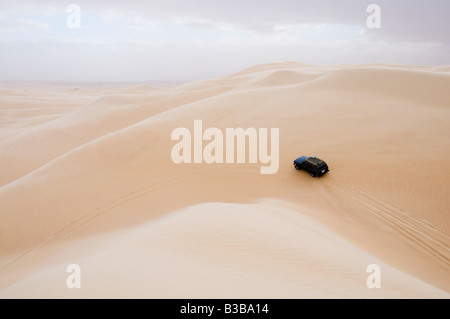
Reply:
x=315, y=166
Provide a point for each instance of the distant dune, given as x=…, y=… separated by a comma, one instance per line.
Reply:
x=86, y=177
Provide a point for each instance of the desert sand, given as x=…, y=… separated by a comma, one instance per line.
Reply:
x=87, y=178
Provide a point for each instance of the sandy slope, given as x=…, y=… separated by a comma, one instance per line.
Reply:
x=87, y=178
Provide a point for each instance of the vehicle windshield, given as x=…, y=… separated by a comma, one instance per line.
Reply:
x=323, y=165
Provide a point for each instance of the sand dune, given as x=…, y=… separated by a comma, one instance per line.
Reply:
x=267, y=249
x=86, y=177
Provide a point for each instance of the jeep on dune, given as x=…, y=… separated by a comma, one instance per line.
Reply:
x=315, y=166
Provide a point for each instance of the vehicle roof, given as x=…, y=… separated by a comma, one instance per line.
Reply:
x=314, y=160
x=301, y=159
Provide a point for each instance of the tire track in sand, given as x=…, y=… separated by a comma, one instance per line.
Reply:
x=421, y=233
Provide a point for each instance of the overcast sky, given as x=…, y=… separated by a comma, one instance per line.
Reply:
x=184, y=40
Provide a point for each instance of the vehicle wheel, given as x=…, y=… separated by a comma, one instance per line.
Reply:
x=297, y=167
x=312, y=174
